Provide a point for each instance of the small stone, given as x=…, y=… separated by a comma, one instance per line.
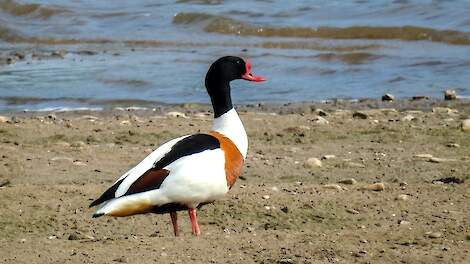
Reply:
x=388, y=97
x=327, y=157
x=62, y=144
x=320, y=120
x=125, y=122
x=176, y=114
x=444, y=110
x=468, y=237
x=320, y=112
x=403, y=183
x=402, y=197
x=4, y=119
x=363, y=241
x=408, y=118
x=450, y=95
x=465, y=126
x=349, y=181
x=51, y=237
x=423, y=156
x=266, y=197
x=439, y=160
x=434, y=234
x=52, y=116
x=61, y=159
x=164, y=254
x=79, y=163
x=73, y=237
x=380, y=186
x=355, y=165
x=285, y=261
x=359, y=115
x=404, y=222
x=285, y=209
x=453, y=145
x=313, y=163
x=352, y=211
x=120, y=260
x=333, y=187
x=267, y=207
x=77, y=144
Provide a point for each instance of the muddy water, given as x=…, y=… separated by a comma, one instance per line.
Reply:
x=141, y=53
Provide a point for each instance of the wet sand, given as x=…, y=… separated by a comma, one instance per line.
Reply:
x=284, y=208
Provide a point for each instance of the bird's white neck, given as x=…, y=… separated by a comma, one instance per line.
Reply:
x=230, y=125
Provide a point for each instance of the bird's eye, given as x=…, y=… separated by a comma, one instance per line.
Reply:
x=238, y=62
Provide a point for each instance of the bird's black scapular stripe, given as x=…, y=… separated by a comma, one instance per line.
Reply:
x=108, y=194
x=188, y=146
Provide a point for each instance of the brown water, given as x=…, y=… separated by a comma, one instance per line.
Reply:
x=140, y=53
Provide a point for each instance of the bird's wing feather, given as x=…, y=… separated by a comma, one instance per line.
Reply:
x=134, y=173
x=150, y=173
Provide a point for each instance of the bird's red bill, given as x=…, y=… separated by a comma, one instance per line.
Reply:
x=249, y=76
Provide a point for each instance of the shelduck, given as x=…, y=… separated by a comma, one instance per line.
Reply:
x=190, y=171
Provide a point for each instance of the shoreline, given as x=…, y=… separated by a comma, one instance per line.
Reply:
x=403, y=104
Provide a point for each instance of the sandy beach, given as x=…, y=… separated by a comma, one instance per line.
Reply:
x=365, y=182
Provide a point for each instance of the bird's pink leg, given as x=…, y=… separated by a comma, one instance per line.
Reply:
x=174, y=221
x=193, y=217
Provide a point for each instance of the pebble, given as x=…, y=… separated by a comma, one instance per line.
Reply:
x=176, y=114
x=333, y=187
x=320, y=112
x=352, y=211
x=125, y=122
x=266, y=197
x=313, y=163
x=61, y=159
x=465, y=126
x=363, y=241
x=388, y=97
x=359, y=115
x=439, y=160
x=320, y=120
x=4, y=119
x=77, y=144
x=408, y=118
x=450, y=95
x=423, y=156
x=453, y=145
x=404, y=222
x=444, y=110
x=73, y=237
x=355, y=165
x=62, y=144
x=327, y=157
x=434, y=234
x=380, y=186
x=402, y=197
x=79, y=163
x=349, y=181
x=285, y=261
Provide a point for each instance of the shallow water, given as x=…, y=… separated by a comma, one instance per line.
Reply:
x=144, y=53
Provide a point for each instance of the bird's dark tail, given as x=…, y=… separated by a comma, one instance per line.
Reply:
x=97, y=215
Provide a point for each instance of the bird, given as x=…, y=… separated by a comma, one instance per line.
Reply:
x=192, y=170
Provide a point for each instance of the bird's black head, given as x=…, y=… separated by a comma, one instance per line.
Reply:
x=219, y=76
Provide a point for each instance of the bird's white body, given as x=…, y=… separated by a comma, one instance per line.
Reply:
x=193, y=179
